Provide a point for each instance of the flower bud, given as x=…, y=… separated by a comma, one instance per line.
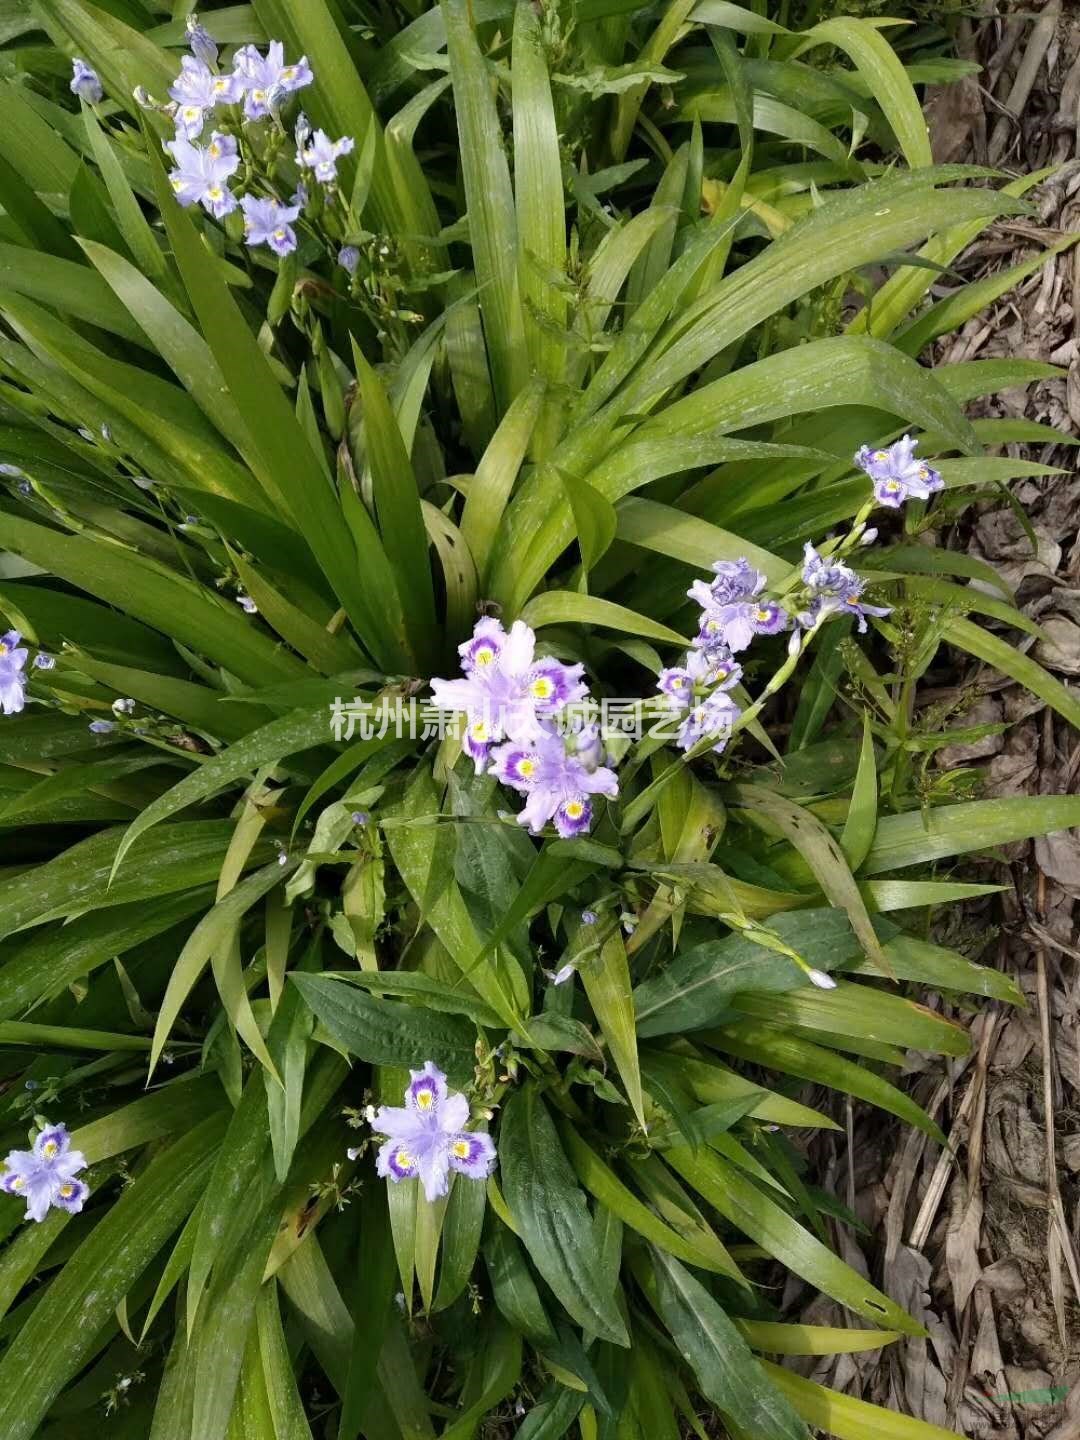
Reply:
x=203, y=45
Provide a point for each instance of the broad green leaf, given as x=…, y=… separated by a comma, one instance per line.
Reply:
x=861, y=822
x=995, y=651
x=67, y=287
x=146, y=590
x=178, y=858
x=858, y=1010
x=778, y=1339
x=424, y=855
x=384, y=1032
x=216, y=930
x=431, y=994
x=606, y=978
x=136, y=230
x=883, y=71
x=513, y=1288
x=397, y=502
x=750, y=1210
x=777, y=1047
x=595, y=521
x=551, y=1216
x=460, y=1240
x=489, y=198
x=912, y=958
x=846, y=1417
x=698, y=985
x=822, y=854
x=269, y=745
x=604, y=1185
x=278, y=437
x=975, y=825
x=725, y=1370
x=489, y=489
x=541, y=223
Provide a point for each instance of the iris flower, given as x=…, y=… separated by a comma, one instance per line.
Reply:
x=506, y=692
x=427, y=1137
x=557, y=783
x=12, y=673
x=266, y=222
x=898, y=474
x=321, y=154
x=261, y=75
x=202, y=171
x=45, y=1176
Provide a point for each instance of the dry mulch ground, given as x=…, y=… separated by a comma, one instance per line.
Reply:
x=982, y=1243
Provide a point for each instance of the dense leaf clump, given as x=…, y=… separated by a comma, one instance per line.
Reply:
x=469, y=529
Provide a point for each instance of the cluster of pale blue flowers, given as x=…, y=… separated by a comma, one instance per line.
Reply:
x=428, y=1138
x=45, y=1175
x=205, y=100
x=511, y=703
x=734, y=609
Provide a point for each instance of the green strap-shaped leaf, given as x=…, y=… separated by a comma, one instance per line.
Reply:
x=604, y=1185
x=148, y=591
x=726, y=1371
x=490, y=201
x=698, y=984
x=397, y=502
x=846, y=1417
x=214, y=931
x=793, y=1055
x=606, y=978
x=883, y=72
x=995, y=651
x=387, y=1032
x=178, y=858
x=549, y=1212
x=918, y=839
x=809, y=836
x=274, y=429
x=541, y=219
x=269, y=745
x=750, y=1210
x=861, y=820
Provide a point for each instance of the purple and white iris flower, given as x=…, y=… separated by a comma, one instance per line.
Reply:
x=267, y=222
x=196, y=91
x=85, y=82
x=45, y=1176
x=731, y=612
x=714, y=716
x=12, y=673
x=506, y=692
x=705, y=669
x=898, y=474
x=202, y=171
x=321, y=155
x=428, y=1138
x=262, y=77
x=835, y=589
x=558, y=785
